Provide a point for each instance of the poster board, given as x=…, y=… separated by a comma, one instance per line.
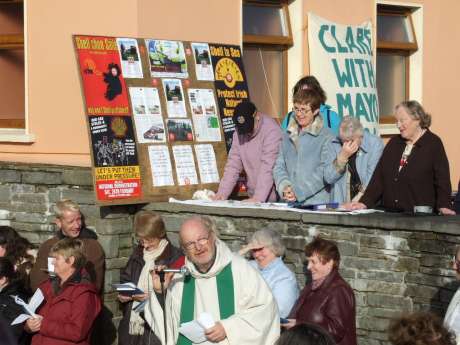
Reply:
x=341, y=57
x=159, y=114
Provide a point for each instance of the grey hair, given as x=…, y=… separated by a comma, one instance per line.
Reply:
x=270, y=239
x=65, y=205
x=350, y=127
x=416, y=111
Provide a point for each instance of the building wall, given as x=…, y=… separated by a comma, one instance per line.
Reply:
x=439, y=68
x=55, y=103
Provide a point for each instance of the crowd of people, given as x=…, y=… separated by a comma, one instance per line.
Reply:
x=316, y=157
x=246, y=298
x=250, y=297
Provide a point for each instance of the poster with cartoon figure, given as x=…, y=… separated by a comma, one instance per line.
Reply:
x=103, y=83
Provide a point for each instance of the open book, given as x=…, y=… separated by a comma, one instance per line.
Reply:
x=128, y=289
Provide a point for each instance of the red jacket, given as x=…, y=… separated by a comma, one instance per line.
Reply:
x=68, y=315
x=330, y=306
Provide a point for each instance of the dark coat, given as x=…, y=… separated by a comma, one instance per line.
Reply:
x=330, y=306
x=131, y=273
x=68, y=311
x=92, y=250
x=9, y=309
x=423, y=181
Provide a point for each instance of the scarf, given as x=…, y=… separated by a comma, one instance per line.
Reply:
x=355, y=180
x=136, y=322
x=225, y=294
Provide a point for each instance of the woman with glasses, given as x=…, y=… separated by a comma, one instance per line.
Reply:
x=413, y=173
x=153, y=249
x=331, y=118
x=267, y=249
x=298, y=172
x=452, y=318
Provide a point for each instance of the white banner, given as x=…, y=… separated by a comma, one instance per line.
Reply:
x=341, y=58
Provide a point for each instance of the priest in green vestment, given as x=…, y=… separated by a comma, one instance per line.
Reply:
x=220, y=283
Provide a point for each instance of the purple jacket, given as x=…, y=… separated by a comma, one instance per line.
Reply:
x=256, y=155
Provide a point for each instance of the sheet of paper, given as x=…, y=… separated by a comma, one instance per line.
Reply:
x=174, y=97
x=204, y=114
x=185, y=165
x=194, y=330
x=145, y=100
x=203, y=65
x=131, y=64
x=160, y=165
x=29, y=308
x=207, y=163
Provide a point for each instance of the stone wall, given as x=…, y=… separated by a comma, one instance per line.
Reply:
x=394, y=263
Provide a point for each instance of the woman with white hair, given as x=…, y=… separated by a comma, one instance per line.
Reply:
x=350, y=160
x=266, y=248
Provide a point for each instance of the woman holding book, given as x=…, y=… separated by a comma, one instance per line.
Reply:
x=153, y=249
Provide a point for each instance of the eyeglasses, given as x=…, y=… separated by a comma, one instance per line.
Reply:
x=193, y=244
x=301, y=111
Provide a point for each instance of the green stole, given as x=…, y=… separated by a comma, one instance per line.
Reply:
x=225, y=294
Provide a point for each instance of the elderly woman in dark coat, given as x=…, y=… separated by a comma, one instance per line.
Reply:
x=413, y=170
x=154, y=249
x=328, y=301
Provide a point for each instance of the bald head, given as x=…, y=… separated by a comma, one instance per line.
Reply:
x=198, y=240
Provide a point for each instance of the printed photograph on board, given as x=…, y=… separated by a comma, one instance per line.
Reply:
x=179, y=130
x=166, y=58
x=174, y=97
x=203, y=65
x=131, y=64
x=150, y=129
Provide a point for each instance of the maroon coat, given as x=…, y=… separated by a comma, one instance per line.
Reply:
x=68, y=315
x=330, y=306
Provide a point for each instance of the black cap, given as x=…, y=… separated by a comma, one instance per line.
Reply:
x=243, y=117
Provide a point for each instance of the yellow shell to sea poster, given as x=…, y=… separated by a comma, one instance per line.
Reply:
x=229, y=72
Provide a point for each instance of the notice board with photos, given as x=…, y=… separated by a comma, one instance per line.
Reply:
x=159, y=114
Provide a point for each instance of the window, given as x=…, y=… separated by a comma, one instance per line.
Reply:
x=396, y=42
x=12, y=85
x=266, y=38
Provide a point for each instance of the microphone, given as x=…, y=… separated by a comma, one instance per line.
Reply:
x=183, y=270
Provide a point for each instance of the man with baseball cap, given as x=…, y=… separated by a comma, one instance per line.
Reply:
x=255, y=146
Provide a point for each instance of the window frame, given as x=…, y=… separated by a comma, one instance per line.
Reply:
x=396, y=48
x=268, y=42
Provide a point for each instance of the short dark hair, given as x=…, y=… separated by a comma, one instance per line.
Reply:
x=7, y=268
x=419, y=328
x=325, y=249
x=312, y=83
x=149, y=224
x=305, y=334
x=305, y=97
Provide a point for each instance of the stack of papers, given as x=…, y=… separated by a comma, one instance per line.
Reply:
x=127, y=289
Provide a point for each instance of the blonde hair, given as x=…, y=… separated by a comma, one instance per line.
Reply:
x=65, y=205
x=69, y=247
x=148, y=224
